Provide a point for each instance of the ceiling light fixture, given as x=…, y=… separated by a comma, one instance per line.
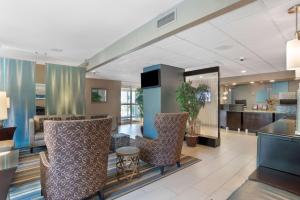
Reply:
x=56, y=50
x=233, y=83
x=272, y=81
x=293, y=46
x=252, y=82
x=243, y=71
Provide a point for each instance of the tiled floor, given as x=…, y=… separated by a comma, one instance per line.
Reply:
x=221, y=171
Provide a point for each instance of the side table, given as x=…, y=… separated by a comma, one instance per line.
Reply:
x=128, y=162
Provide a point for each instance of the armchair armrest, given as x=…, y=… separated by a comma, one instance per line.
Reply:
x=149, y=149
x=44, y=170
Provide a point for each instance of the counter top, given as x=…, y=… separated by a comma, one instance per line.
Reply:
x=262, y=111
x=282, y=127
x=257, y=111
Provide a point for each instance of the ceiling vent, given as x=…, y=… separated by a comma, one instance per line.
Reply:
x=166, y=19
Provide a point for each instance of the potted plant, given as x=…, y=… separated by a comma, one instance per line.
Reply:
x=191, y=99
x=139, y=101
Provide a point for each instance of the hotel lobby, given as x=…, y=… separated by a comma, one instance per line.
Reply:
x=142, y=100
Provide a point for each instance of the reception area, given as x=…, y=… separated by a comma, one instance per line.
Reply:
x=174, y=99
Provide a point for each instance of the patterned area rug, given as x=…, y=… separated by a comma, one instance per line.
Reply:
x=26, y=184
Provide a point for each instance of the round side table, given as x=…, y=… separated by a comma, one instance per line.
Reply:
x=128, y=162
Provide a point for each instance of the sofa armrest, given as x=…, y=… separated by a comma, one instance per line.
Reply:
x=44, y=170
x=31, y=131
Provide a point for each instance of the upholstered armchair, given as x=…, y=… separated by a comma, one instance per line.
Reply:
x=75, y=166
x=166, y=149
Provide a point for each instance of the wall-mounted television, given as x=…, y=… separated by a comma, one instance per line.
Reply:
x=150, y=79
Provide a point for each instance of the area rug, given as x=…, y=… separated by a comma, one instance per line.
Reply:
x=26, y=184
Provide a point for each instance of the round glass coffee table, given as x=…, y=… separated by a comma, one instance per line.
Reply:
x=128, y=162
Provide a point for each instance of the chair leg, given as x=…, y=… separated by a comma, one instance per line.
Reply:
x=31, y=149
x=162, y=170
x=178, y=164
x=101, y=195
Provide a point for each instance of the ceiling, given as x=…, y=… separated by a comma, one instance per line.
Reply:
x=68, y=31
x=258, y=32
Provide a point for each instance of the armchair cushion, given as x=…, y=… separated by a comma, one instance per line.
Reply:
x=39, y=136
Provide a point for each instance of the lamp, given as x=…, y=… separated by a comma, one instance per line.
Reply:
x=293, y=46
x=293, y=61
x=3, y=107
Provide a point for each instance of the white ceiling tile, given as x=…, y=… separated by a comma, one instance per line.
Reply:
x=239, y=14
x=254, y=32
x=204, y=35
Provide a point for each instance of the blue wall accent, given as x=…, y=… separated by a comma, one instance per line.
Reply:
x=161, y=99
x=280, y=87
x=17, y=78
x=151, y=68
x=261, y=95
x=152, y=105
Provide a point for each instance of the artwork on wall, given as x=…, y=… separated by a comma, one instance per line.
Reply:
x=98, y=95
x=40, y=91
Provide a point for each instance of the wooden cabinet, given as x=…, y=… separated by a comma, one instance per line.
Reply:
x=253, y=121
x=234, y=120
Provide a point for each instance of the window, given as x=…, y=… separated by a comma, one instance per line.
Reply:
x=129, y=108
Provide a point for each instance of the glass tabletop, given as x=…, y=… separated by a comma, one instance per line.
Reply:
x=127, y=150
x=9, y=159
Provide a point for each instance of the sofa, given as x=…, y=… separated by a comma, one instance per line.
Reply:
x=166, y=149
x=36, y=125
x=75, y=165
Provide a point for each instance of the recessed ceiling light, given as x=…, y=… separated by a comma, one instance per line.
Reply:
x=56, y=50
x=200, y=76
x=243, y=71
x=272, y=81
x=252, y=82
x=233, y=83
x=224, y=47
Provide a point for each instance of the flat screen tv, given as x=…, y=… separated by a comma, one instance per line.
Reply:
x=150, y=79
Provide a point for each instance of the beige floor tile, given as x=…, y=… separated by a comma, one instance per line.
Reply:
x=221, y=171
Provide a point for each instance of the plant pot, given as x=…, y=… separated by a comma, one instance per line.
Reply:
x=191, y=140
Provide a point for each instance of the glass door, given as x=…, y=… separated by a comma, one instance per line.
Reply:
x=129, y=108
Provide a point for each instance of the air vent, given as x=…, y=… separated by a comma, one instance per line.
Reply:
x=166, y=19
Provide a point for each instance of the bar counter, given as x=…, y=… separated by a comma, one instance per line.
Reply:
x=279, y=147
x=253, y=120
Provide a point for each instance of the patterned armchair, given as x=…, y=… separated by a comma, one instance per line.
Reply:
x=75, y=166
x=166, y=149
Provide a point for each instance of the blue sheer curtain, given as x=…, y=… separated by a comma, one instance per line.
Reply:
x=17, y=78
x=65, y=90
